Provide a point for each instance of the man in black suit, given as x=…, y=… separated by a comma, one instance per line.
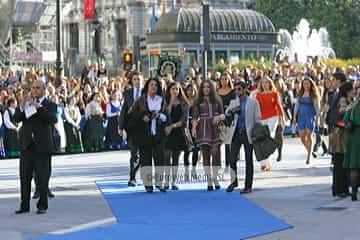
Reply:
x=130, y=96
x=38, y=116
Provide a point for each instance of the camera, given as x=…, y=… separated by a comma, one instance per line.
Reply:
x=153, y=114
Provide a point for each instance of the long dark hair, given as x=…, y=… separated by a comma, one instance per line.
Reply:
x=168, y=95
x=227, y=75
x=345, y=88
x=314, y=92
x=193, y=87
x=146, y=87
x=213, y=96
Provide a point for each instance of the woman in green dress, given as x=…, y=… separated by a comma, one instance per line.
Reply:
x=352, y=150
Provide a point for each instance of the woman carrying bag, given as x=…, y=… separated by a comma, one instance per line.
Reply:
x=352, y=150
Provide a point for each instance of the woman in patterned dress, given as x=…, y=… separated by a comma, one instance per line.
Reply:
x=208, y=113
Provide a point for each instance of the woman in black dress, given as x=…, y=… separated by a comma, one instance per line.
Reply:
x=190, y=93
x=72, y=127
x=178, y=112
x=94, y=132
x=12, y=145
x=226, y=93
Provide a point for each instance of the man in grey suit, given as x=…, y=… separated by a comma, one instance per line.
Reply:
x=246, y=113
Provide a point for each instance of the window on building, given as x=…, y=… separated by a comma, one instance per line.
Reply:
x=250, y=54
x=220, y=55
x=235, y=57
x=190, y=58
x=74, y=36
x=265, y=54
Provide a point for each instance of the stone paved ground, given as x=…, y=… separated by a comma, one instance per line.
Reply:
x=297, y=193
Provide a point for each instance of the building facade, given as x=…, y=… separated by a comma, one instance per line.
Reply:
x=235, y=34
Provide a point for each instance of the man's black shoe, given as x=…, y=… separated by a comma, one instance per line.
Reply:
x=162, y=189
x=210, y=188
x=36, y=195
x=50, y=194
x=132, y=183
x=21, y=211
x=231, y=187
x=41, y=211
x=246, y=191
x=149, y=189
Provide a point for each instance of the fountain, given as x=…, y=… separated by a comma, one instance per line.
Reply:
x=304, y=43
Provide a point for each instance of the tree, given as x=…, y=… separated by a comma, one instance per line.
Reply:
x=340, y=17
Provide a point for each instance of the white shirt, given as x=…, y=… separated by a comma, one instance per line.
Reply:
x=41, y=99
x=108, y=109
x=92, y=108
x=7, y=122
x=136, y=97
x=154, y=104
x=77, y=115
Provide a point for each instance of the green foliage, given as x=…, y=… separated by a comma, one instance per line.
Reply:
x=340, y=17
x=242, y=63
x=342, y=62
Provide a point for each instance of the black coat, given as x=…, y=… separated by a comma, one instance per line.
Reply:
x=124, y=115
x=38, y=129
x=264, y=145
x=140, y=130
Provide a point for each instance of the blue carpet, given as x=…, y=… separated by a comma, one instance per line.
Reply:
x=189, y=214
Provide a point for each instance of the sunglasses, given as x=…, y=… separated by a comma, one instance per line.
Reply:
x=238, y=88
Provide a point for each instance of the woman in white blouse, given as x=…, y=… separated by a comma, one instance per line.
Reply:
x=72, y=127
x=113, y=110
x=11, y=130
x=94, y=132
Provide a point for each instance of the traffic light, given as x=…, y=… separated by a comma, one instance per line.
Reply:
x=128, y=61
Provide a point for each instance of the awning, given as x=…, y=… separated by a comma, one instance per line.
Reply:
x=28, y=12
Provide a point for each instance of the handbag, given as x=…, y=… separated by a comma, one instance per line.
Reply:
x=188, y=138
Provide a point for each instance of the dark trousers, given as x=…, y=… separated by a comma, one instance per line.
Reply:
x=227, y=154
x=36, y=178
x=153, y=150
x=195, y=157
x=31, y=161
x=240, y=138
x=134, y=159
x=340, y=175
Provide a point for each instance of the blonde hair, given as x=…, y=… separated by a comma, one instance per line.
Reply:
x=272, y=86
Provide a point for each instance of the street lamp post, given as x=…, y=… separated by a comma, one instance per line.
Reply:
x=205, y=36
x=58, y=46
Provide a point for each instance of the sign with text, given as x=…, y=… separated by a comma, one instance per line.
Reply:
x=242, y=37
x=32, y=57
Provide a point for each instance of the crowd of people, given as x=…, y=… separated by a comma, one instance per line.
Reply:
x=160, y=119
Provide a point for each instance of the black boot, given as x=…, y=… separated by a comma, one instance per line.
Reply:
x=279, y=158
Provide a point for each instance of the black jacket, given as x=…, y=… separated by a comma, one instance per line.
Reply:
x=38, y=128
x=124, y=115
x=264, y=145
x=140, y=130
